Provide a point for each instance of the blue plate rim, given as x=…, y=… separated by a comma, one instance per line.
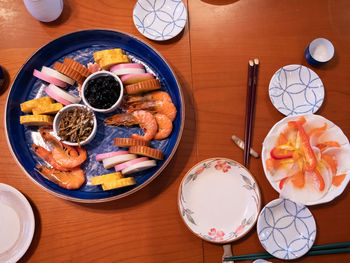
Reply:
x=133, y=190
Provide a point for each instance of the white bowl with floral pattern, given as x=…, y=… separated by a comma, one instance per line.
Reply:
x=219, y=200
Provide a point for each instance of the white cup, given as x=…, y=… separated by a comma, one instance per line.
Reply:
x=44, y=10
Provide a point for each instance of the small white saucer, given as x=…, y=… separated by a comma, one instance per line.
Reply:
x=160, y=20
x=296, y=89
x=16, y=224
x=286, y=229
x=219, y=200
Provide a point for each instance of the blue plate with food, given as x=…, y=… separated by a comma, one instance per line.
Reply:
x=94, y=115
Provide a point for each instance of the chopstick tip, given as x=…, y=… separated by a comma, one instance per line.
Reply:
x=251, y=62
x=256, y=61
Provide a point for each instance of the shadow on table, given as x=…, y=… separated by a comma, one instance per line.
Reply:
x=176, y=165
x=6, y=81
x=220, y=2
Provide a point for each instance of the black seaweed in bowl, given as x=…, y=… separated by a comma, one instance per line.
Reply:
x=102, y=92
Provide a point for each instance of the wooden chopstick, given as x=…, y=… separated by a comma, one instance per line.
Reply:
x=334, y=248
x=253, y=67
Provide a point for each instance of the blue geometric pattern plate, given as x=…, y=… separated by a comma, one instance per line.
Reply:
x=160, y=19
x=80, y=46
x=286, y=229
x=295, y=89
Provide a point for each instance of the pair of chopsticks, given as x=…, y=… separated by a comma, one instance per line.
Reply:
x=253, y=67
x=334, y=248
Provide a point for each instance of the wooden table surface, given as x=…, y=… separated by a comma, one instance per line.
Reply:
x=210, y=60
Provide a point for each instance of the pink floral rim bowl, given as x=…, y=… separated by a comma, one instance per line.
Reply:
x=219, y=200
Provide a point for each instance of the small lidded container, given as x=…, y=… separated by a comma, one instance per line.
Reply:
x=75, y=125
x=102, y=91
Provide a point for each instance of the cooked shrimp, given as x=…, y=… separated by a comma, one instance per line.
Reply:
x=145, y=119
x=65, y=155
x=148, y=123
x=72, y=179
x=152, y=96
x=126, y=119
x=47, y=157
x=165, y=126
x=162, y=107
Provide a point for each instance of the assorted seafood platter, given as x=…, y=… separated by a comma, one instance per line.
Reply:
x=98, y=122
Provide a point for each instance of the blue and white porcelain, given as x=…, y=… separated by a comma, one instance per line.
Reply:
x=296, y=89
x=80, y=46
x=286, y=230
x=160, y=19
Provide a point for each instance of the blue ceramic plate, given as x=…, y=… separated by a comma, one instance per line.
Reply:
x=80, y=46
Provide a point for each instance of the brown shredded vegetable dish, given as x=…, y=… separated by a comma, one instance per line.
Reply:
x=76, y=124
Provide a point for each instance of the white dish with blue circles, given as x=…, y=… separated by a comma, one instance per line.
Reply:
x=286, y=230
x=160, y=19
x=296, y=89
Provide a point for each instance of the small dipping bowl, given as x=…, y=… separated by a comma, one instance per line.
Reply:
x=286, y=230
x=86, y=87
x=319, y=51
x=62, y=112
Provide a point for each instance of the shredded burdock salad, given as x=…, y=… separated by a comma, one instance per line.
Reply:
x=76, y=125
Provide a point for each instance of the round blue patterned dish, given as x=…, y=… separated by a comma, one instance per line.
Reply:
x=80, y=46
x=296, y=89
x=160, y=20
x=286, y=230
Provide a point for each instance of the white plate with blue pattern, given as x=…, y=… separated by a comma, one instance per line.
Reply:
x=160, y=19
x=286, y=230
x=296, y=89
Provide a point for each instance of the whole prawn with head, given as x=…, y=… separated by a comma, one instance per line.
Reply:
x=155, y=101
x=145, y=119
x=64, y=155
x=64, y=159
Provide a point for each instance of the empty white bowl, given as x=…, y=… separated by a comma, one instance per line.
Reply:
x=71, y=107
x=102, y=74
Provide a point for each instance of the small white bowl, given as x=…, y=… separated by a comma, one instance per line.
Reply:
x=286, y=230
x=100, y=74
x=59, y=116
